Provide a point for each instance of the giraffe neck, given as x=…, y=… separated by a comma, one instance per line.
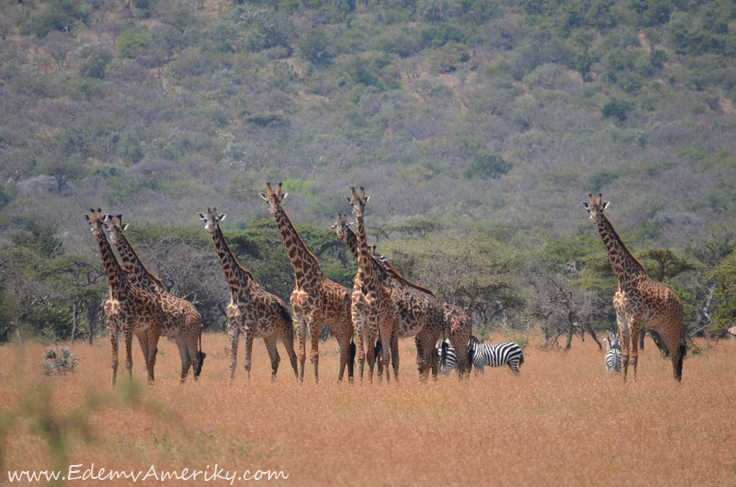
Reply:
x=364, y=264
x=625, y=266
x=116, y=276
x=352, y=242
x=303, y=263
x=139, y=275
x=237, y=277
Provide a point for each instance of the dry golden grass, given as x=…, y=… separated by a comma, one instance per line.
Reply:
x=561, y=422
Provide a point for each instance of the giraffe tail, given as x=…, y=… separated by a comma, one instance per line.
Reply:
x=202, y=355
x=353, y=352
x=678, y=368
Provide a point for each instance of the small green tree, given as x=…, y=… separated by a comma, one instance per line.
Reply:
x=313, y=47
x=583, y=64
x=130, y=44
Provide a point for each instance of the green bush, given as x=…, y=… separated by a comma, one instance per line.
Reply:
x=59, y=15
x=486, y=165
x=129, y=44
x=438, y=10
x=439, y=35
x=616, y=109
x=449, y=57
x=313, y=47
x=94, y=63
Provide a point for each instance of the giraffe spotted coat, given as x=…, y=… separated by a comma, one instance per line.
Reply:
x=182, y=321
x=252, y=311
x=639, y=300
x=127, y=309
x=316, y=300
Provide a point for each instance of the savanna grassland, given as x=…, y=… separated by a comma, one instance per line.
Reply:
x=561, y=422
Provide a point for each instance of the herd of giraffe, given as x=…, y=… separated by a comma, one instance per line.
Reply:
x=383, y=307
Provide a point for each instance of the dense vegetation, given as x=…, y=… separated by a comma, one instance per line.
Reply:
x=477, y=126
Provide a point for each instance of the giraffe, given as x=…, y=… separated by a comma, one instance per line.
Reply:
x=316, y=299
x=182, y=321
x=127, y=308
x=252, y=311
x=420, y=315
x=639, y=301
x=373, y=310
x=458, y=326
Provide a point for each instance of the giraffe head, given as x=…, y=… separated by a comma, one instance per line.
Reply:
x=116, y=228
x=358, y=201
x=97, y=221
x=341, y=226
x=273, y=198
x=595, y=207
x=212, y=220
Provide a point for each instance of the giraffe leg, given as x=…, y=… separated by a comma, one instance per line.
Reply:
x=234, y=333
x=248, y=339
x=287, y=338
x=129, y=351
x=358, y=322
x=273, y=354
x=634, y=330
x=346, y=357
x=395, y=350
x=459, y=343
x=186, y=359
x=192, y=345
x=385, y=335
x=675, y=348
x=113, y=333
x=152, y=335
x=314, y=350
x=301, y=336
x=371, y=352
x=422, y=368
x=624, y=332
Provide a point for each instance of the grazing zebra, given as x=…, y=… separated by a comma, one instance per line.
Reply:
x=448, y=357
x=613, y=354
x=497, y=355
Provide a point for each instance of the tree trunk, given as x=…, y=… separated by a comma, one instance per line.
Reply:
x=74, y=321
x=18, y=332
x=570, y=331
x=90, y=323
x=659, y=342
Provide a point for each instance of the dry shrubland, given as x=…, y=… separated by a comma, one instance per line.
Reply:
x=562, y=421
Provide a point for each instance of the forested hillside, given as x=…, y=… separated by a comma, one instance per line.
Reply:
x=477, y=127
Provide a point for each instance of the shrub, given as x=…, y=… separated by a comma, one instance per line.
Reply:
x=59, y=361
x=448, y=57
x=59, y=15
x=94, y=63
x=486, y=165
x=616, y=109
x=130, y=44
x=438, y=10
x=438, y=36
x=313, y=47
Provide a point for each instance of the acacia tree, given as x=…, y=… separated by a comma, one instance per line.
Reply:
x=473, y=271
x=81, y=279
x=562, y=307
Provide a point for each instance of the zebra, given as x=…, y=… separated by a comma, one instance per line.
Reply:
x=448, y=357
x=496, y=355
x=613, y=354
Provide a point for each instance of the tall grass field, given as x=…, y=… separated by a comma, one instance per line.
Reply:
x=562, y=421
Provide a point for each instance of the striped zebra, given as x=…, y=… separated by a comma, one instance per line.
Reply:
x=496, y=355
x=448, y=357
x=613, y=354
